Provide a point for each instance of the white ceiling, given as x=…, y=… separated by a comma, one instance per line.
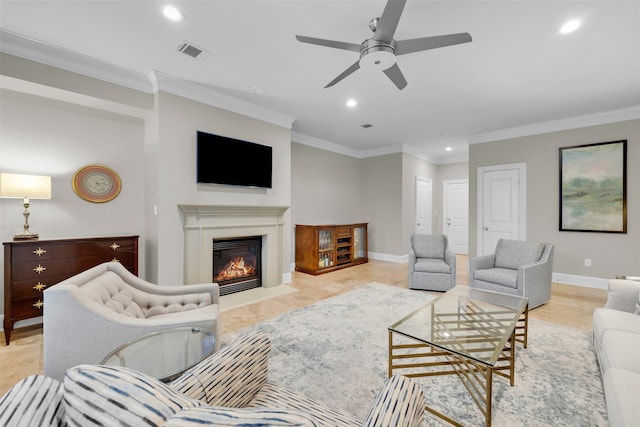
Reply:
x=518, y=72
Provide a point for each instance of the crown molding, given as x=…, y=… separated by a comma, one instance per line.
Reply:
x=44, y=53
x=558, y=125
x=202, y=93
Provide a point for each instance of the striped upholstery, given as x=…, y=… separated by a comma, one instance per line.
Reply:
x=230, y=377
x=273, y=395
x=35, y=401
x=226, y=417
x=233, y=382
x=110, y=395
x=399, y=403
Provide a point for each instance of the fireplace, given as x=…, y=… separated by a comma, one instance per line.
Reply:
x=237, y=263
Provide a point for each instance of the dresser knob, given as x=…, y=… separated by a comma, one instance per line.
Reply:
x=39, y=286
x=39, y=269
x=115, y=259
x=40, y=251
x=115, y=246
x=39, y=304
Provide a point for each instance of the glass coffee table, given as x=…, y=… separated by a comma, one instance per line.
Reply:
x=164, y=355
x=465, y=332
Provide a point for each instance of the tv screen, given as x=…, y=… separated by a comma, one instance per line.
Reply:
x=230, y=161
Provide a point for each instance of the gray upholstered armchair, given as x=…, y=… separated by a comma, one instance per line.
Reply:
x=432, y=265
x=517, y=268
x=92, y=313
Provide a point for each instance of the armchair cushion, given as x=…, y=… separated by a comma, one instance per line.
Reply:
x=429, y=246
x=512, y=254
x=228, y=417
x=108, y=395
x=432, y=265
x=502, y=276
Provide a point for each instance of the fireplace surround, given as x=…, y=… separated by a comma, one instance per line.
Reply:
x=204, y=223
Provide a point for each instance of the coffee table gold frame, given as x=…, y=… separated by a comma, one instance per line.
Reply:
x=448, y=357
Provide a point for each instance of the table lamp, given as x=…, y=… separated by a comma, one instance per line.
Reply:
x=19, y=186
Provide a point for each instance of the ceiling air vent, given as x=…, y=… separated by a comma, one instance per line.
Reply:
x=192, y=50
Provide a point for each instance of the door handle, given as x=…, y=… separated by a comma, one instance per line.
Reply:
x=486, y=228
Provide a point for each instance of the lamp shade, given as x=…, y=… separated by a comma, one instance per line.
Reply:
x=19, y=186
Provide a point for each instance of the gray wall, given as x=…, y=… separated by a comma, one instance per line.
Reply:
x=325, y=187
x=611, y=254
x=330, y=188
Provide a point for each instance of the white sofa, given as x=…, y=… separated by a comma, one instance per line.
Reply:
x=90, y=314
x=616, y=337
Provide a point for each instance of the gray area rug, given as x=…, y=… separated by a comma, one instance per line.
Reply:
x=336, y=351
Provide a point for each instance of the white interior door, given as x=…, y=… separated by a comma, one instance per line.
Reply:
x=423, y=205
x=455, y=198
x=501, y=205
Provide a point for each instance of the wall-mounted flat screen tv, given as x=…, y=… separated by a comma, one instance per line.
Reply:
x=230, y=161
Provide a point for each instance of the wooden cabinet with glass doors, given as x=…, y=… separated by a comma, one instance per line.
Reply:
x=324, y=248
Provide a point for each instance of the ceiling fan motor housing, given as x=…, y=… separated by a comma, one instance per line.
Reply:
x=377, y=55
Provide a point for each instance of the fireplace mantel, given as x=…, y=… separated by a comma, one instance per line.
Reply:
x=195, y=211
x=203, y=223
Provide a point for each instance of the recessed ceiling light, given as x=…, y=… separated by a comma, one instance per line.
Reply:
x=172, y=13
x=352, y=103
x=570, y=27
x=448, y=149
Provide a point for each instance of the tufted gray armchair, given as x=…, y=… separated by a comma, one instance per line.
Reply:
x=432, y=265
x=90, y=314
x=516, y=267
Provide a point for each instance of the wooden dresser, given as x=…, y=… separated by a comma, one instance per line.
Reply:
x=31, y=266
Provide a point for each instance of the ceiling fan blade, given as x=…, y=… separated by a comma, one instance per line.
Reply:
x=329, y=43
x=389, y=20
x=425, y=43
x=344, y=74
x=395, y=75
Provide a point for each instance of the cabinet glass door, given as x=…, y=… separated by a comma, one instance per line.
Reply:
x=359, y=242
x=325, y=248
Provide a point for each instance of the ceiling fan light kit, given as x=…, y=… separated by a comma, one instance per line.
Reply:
x=378, y=53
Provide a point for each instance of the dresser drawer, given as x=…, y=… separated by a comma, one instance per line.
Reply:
x=65, y=267
x=344, y=231
x=33, y=288
x=46, y=251
x=27, y=308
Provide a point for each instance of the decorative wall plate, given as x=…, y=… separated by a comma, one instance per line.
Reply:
x=97, y=184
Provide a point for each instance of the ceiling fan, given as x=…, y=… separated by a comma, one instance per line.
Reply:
x=379, y=51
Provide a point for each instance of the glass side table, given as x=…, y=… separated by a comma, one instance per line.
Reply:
x=164, y=355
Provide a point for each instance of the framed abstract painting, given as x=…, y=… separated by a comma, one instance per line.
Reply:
x=593, y=187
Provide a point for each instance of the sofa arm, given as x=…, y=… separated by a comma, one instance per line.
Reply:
x=34, y=401
x=400, y=402
x=230, y=377
x=623, y=295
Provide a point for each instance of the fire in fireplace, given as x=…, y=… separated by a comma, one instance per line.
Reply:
x=237, y=263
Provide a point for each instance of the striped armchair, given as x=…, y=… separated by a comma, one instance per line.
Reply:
x=230, y=388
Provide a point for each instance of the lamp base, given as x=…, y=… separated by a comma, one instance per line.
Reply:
x=25, y=236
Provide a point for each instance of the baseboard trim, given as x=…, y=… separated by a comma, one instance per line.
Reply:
x=388, y=257
x=584, y=281
x=22, y=323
